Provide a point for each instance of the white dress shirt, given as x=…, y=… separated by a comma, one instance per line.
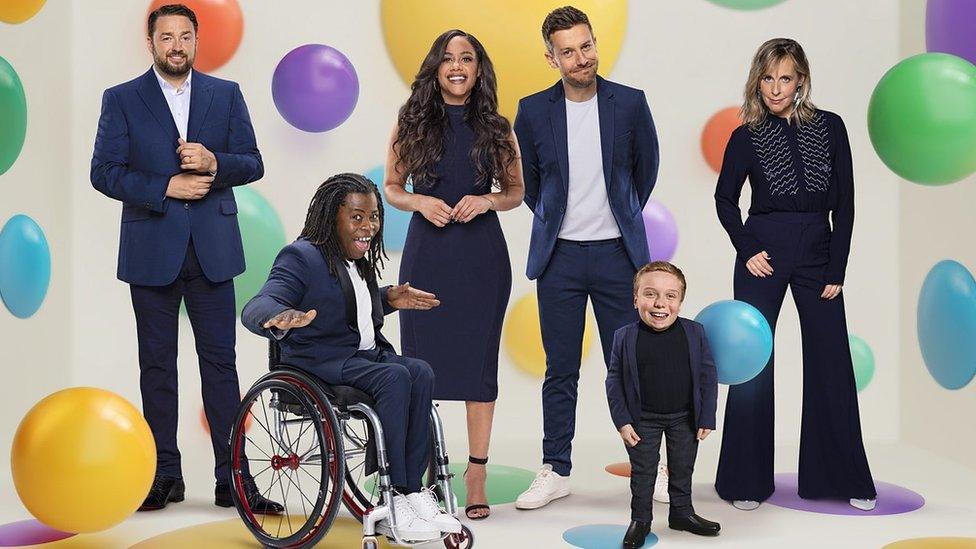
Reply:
x=364, y=308
x=178, y=100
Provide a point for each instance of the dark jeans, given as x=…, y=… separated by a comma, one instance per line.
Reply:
x=682, y=449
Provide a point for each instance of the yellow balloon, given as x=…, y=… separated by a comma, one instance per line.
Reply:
x=83, y=460
x=523, y=336
x=511, y=31
x=18, y=11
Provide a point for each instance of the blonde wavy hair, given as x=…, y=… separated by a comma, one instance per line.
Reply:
x=754, y=111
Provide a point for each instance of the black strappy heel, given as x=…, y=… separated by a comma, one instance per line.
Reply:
x=477, y=506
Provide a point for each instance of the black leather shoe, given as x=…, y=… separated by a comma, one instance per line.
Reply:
x=636, y=533
x=259, y=504
x=696, y=525
x=163, y=491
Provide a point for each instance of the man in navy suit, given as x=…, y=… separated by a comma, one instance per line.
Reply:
x=170, y=146
x=589, y=159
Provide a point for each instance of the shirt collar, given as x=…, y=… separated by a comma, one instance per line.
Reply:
x=164, y=85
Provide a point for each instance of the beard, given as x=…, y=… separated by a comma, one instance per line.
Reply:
x=582, y=78
x=166, y=67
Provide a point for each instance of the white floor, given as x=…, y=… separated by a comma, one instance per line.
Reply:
x=600, y=498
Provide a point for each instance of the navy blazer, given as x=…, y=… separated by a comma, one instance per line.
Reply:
x=630, y=162
x=134, y=158
x=623, y=381
x=300, y=280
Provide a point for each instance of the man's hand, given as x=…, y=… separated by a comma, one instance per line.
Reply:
x=629, y=435
x=405, y=297
x=291, y=319
x=703, y=432
x=196, y=158
x=189, y=186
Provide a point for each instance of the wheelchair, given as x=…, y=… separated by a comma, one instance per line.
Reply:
x=310, y=446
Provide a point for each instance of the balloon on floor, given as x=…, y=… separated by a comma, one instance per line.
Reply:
x=83, y=460
x=740, y=339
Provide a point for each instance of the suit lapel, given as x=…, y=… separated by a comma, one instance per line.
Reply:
x=348, y=294
x=152, y=96
x=606, y=106
x=374, y=294
x=201, y=96
x=557, y=117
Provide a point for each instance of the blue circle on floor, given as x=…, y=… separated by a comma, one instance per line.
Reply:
x=601, y=536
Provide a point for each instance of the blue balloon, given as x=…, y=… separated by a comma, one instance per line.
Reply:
x=25, y=266
x=395, y=222
x=947, y=324
x=740, y=339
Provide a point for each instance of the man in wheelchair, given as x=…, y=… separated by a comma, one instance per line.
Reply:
x=322, y=305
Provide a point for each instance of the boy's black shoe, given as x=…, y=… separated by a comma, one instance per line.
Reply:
x=636, y=533
x=696, y=525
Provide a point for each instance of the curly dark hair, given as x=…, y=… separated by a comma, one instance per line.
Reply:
x=320, y=223
x=423, y=121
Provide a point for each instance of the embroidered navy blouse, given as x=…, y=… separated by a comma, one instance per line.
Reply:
x=805, y=168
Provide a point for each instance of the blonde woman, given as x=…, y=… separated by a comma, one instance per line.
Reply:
x=798, y=162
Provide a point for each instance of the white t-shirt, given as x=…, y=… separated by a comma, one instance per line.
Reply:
x=364, y=309
x=588, y=215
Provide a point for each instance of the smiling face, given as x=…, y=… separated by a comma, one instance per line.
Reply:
x=173, y=45
x=658, y=299
x=357, y=223
x=458, y=71
x=778, y=85
x=574, y=54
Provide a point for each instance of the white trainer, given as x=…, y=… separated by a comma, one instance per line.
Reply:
x=661, y=484
x=547, y=486
x=409, y=525
x=424, y=503
x=864, y=504
x=745, y=504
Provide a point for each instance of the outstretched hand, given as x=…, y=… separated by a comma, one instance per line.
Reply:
x=406, y=297
x=290, y=319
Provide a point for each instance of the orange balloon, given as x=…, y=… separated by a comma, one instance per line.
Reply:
x=221, y=26
x=618, y=469
x=716, y=135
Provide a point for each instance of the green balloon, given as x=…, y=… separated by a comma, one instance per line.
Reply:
x=263, y=236
x=922, y=118
x=13, y=116
x=863, y=361
x=747, y=4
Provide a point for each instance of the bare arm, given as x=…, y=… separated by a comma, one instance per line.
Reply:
x=513, y=188
x=394, y=187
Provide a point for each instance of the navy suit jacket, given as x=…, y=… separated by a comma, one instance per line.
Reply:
x=134, y=158
x=630, y=162
x=623, y=381
x=300, y=280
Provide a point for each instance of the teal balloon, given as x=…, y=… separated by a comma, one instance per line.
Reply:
x=13, y=116
x=25, y=266
x=740, y=339
x=747, y=4
x=263, y=236
x=922, y=118
x=395, y=222
x=946, y=323
x=863, y=360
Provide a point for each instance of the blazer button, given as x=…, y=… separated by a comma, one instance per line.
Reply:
x=186, y=205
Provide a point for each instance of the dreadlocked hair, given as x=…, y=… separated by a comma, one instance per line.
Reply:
x=320, y=223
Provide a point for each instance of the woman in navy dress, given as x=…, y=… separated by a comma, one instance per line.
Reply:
x=462, y=160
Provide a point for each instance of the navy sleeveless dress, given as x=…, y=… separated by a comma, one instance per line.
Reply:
x=468, y=267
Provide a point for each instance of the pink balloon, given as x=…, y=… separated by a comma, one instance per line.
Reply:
x=661, y=230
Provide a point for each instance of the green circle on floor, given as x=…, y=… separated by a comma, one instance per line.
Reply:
x=505, y=483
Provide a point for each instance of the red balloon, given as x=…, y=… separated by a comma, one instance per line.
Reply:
x=221, y=26
x=716, y=135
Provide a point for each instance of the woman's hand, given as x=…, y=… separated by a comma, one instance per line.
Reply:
x=435, y=210
x=471, y=206
x=629, y=435
x=831, y=291
x=759, y=265
x=405, y=297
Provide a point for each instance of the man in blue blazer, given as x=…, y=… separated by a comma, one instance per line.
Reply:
x=590, y=160
x=170, y=146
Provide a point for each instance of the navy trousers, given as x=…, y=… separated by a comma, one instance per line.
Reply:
x=682, y=447
x=833, y=463
x=602, y=272
x=210, y=306
x=402, y=388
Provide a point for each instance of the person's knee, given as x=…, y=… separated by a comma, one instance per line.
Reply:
x=423, y=373
x=393, y=378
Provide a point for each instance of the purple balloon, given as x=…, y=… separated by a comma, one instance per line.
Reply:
x=315, y=88
x=661, y=231
x=950, y=27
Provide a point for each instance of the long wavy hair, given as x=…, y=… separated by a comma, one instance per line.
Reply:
x=754, y=111
x=423, y=121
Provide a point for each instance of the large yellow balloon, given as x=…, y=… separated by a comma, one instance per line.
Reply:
x=18, y=11
x=83, y=460
x=523, y=336
x=511, y=31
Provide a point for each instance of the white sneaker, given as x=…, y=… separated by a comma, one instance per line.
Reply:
x=661, y=484
x=547, y=486
x=409, y=525
x=425, y=504
x=745, y=504
x=864, y=504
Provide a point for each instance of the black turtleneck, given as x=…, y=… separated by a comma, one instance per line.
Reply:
x=664, y=369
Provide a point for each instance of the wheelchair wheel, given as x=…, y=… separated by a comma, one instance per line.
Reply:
x=464, y=540
x=361, y=492
x=293, y=452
